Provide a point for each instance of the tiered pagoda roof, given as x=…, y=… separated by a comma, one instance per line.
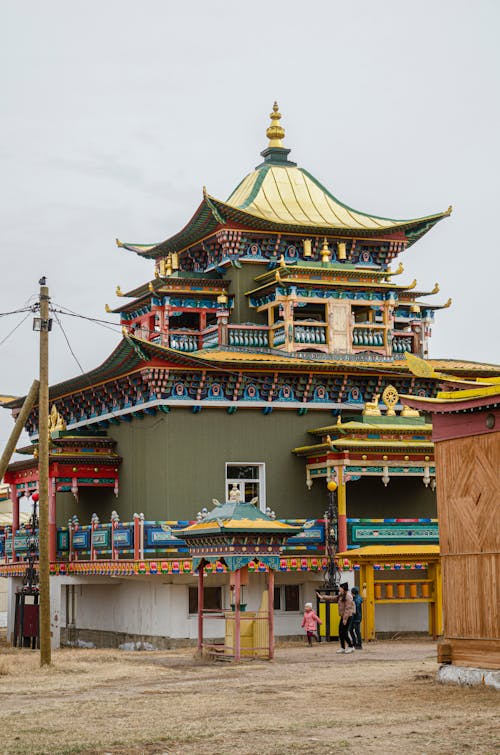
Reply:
x=278, y=195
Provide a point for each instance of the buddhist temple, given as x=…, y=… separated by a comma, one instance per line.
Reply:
x=276, y=316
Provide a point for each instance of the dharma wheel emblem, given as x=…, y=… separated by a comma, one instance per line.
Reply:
x=390, y=397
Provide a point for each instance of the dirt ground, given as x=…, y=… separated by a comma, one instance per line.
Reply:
x=383, y=699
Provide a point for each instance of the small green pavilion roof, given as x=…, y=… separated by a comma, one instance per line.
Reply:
x=237, y=517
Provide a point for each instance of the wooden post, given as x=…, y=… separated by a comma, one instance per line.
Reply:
x=43, y=478
x=15, y=517
x=270, y=588
x=367, y=584
x=237, y=617
x=289, y=328
x=438, y=594
x=52, y=521
x=342, y=511
x=200, y=606
x=436, y=601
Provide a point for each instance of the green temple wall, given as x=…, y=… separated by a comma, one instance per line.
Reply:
x=242, y=280
x=174, y=464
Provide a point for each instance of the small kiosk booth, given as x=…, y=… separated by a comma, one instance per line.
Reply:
x=245, y=539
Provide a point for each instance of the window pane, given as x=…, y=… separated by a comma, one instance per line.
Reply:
x=212, y=598
x=236, y=472
x=292, y=598
x=277, y=598
x=251, y=490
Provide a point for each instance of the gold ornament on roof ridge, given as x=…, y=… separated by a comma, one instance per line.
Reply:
x=390, y=397
x=372, y=408
x=275, y=132
x=409, y=412
x=56, y=421
x=435, y=290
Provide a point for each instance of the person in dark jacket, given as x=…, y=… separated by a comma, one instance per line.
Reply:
x=355, y=626
x=346, y=609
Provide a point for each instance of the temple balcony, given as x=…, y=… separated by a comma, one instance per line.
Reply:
x=129, y=541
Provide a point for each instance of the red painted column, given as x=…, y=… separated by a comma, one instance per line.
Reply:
x=52, y=520
x=200, y=606
x=15, y=517
x=270, y=589
x=237, y=615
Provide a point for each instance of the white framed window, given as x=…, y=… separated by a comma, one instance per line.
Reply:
x=246, y=481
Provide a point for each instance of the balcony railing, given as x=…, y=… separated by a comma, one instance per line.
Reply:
x=210, y=337
x=182, y=341
x=310, y=334
x=400, y=344
x=366, y=337
x=253, y=336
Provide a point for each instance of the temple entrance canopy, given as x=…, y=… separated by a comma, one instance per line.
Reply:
x=242, y=537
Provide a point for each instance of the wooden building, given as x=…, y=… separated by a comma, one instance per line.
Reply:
x=466, y=422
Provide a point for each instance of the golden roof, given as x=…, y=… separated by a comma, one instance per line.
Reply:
x=290, y=195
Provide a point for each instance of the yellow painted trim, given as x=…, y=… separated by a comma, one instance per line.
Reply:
x=341, y=492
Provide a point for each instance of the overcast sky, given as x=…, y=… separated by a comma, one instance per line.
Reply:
x=114, y=114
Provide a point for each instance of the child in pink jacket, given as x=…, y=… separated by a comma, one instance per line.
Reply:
x=310, y=622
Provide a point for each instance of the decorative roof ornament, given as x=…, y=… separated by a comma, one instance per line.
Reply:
x=275, y=132
x=407, y=412
x=372, y=408
x=325, y=251
x=56, y=421
x=390, y=397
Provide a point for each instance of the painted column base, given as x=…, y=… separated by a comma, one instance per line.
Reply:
x=450, y=674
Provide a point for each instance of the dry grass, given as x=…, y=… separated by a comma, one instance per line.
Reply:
x=312, y=701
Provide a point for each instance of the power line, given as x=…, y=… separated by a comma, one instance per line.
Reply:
x=17, y=326
x=104, y=323
x=16, y=311
x=67, y=341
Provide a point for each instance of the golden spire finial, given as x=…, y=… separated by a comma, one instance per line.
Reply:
x=275, y=132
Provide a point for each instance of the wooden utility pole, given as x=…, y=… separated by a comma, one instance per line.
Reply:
x=43, y=477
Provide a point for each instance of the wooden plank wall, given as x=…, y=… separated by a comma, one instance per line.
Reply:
x=468, y=498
